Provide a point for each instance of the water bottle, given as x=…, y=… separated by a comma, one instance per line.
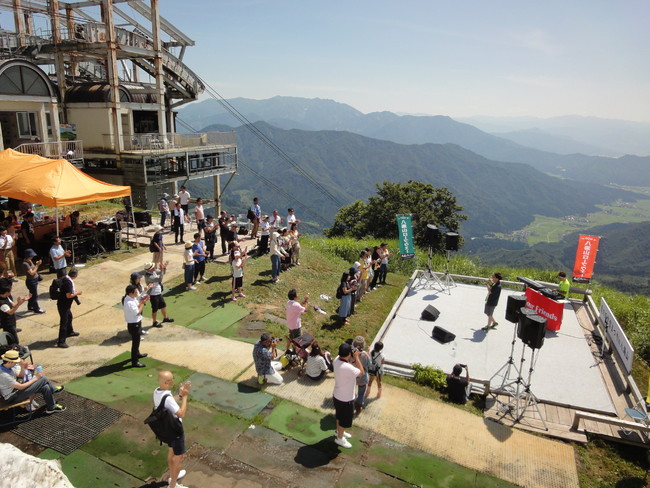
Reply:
x=39, y=369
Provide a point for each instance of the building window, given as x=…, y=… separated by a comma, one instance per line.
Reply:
x=48, y=123
x=26, y=125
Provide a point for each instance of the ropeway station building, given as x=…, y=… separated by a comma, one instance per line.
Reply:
x=97, y=82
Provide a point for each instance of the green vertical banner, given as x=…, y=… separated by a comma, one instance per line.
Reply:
x=406, y=247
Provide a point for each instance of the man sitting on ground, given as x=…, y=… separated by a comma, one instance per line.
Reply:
x=13, y=391
x=457, y=387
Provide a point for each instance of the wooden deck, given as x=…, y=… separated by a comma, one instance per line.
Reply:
x=560, y=418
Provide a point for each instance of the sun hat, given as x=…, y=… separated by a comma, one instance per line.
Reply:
x=158, y=228
x=359, y=342
x=188, y=245
x=149, y=266
x=135, y=275
x=11, y=355
x=29, y=253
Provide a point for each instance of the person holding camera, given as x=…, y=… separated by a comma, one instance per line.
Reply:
x=264, y=355
x=345, y=376
x=133, y=305
x=67, y=295
x=32, y=277
x=458, y=388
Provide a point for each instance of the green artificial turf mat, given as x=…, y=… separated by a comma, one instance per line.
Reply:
x=232, y=397
x=220, y=319
x=209, y=428
x=128, y=390
x=131, y=446
x=184, y=308
x=422, y=469
x=83, y=469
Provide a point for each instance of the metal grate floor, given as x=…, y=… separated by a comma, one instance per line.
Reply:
x=67, y=431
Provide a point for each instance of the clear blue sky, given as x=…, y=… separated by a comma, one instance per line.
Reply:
x=463, y=58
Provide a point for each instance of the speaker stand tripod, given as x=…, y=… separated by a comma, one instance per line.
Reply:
x=509, y=379
x=449, y=282
x=523, y=397
x=428, y=277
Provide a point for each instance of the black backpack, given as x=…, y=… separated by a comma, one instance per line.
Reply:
x=55, y=289
x=164, y=424
x=339, y=292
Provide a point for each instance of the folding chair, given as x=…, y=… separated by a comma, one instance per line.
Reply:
x=638, y=414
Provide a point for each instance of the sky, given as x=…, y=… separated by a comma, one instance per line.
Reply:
x=463, y=58
x=460, y=58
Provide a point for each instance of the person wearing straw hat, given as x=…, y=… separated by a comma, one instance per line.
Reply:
x=13, y=391
x=155, y=277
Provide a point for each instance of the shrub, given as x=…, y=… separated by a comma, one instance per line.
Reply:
x=429, y=376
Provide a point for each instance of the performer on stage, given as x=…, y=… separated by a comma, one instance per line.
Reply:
x=492, y=300
x=564, y=286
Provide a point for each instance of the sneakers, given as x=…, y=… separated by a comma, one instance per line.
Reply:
x=181, y=474
x=347, y=435
x=260, y=379
x=40, y=310
x=242, y=295
x=138, y=365
x=143, y=355
x=73, y=334
x=191, y=287
x=234, y=299
x=343, y=442
x=59, y=389
x=62, y=344
x=157, y=324
x=144, y=332
x=168, y=319
x=494, y=325
x=55, y=408
x=32, y=406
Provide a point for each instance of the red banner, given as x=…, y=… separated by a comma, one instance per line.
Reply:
x=549, y=309
x=583, y=268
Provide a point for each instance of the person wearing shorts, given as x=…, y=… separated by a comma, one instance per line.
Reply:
x=345, y=376
x=492, y=299
x=177, y=449
x=153, y=279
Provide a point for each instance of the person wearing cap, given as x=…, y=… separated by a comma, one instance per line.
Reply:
x=237, y=261
x=264, y=355
x=32, y=277
x=67, y=294
x=210, y=233
x=199, y=215
x=362, y=381
x=457, y=386
x=345, y=377
x=163, y=207
x=223, y=230
x=564, y=286
x=13, y=391
x=188, y=266
x=8, y=308
x=153, y=277
x=257, y=212
x=263, y=247
x=133, y=304
x=136, y=280
x=176, y=452
x=6, y=250
x=157, y=246
x=58, y=257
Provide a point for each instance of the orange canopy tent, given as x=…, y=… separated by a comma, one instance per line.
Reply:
x=51, y=182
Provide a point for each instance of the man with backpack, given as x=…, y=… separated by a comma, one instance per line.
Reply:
x=65, y=296
x=177, y=449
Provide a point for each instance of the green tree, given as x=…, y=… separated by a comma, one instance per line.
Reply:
x=426, y=203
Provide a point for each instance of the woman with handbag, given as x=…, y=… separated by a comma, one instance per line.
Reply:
x=32, y=277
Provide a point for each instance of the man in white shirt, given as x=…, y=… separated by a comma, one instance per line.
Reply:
x=184, y=199
x=177, y=449
x=291, y=218
x=133, y=305
x=6, y=251
x=345, y=382
x=58, y=256
x=275, y=222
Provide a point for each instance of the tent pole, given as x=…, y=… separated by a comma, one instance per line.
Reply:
x=56, y=214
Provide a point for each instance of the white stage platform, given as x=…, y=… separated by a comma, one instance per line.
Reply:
x=566, y=372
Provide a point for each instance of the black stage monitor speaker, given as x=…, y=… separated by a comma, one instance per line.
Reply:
x=442, y=335
x=430, y=313
x=451, y=241
x=532, y=330
x=515, y=302
x=433, y=235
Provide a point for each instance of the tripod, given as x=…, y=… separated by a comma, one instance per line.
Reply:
x=428, y=277
x=508, y=381
x=449, y=282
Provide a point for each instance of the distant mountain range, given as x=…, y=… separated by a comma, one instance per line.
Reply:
x=498, y=197
x=319, y=114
